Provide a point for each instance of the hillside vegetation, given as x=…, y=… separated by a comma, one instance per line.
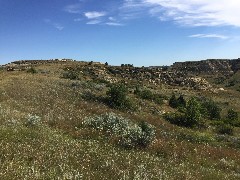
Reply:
x=85, y=120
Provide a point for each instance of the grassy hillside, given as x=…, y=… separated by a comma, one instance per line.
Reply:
x=43, y=136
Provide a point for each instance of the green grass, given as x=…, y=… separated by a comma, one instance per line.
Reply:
x=60, y=148
x=45, y=153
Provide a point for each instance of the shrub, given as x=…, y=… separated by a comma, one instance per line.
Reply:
x=146, y=94
x=192, y=114
x=32, y=120
x=173, y=101
x=231, y=83
x=32, y=70
x=189, y=117
x=232, y=117
x=70, y=74
x=225, y=129
x=175, y=118
x=149, y=95
x=148, y=134
x=181, y=102
x=130, y=134
x=211, y=110
x=117, y=97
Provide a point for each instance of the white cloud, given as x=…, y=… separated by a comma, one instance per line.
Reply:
x=132, y=9
x=94, y=14
x=196, y=12
x=94, y=22
x=114, y=24
x=73, y=8
x=218, y=36
x=112, y=19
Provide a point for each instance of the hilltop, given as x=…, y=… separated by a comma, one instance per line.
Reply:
x=72, y=119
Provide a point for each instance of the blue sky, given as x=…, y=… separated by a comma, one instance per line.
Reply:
x=139, y=32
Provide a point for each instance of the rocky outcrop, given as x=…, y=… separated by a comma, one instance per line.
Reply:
x=210, y=66
x=156, y=76
x=185, y=74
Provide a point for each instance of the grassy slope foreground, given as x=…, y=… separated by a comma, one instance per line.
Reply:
x=42, y=134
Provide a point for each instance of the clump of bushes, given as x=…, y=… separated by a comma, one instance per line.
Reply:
x=189, y=118
x=232, y=115
x=130, y=135
x=175, y=118
x=232, y=118
x=196, y=110
x=70, y=74
x=149, y=95
x=118, y=99
x=210, y=109
x=225, y=129
x=231, y=83
x=179, y=102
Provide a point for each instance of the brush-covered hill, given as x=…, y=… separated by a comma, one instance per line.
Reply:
x=65, y=119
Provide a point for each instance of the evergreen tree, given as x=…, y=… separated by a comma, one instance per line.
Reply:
x=211, y=110
x=181, y=101
x=232, y=116
x=117, y=95
x=173, y=102
x=192, y=114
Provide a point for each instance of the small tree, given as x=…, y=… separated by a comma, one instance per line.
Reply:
x=211, y=110
x=192, y=114
x=232, y=117
x=173, y=102
x=117, y=97
x=181, y=101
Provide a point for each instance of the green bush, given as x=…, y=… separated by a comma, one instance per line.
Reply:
x=192, y=114
x=32, y=70
x=175, y=118
x=181, y=102
x=232, y=118
x=70, y=74
x=225, y=129
x=130, y=134
x=189, y=116
x=232, y=115
x=149, y=95
x=231, y=83
x=117, y=97
x=211, y=110
x=148, y=134
x=175, y=102
x=146, y=94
